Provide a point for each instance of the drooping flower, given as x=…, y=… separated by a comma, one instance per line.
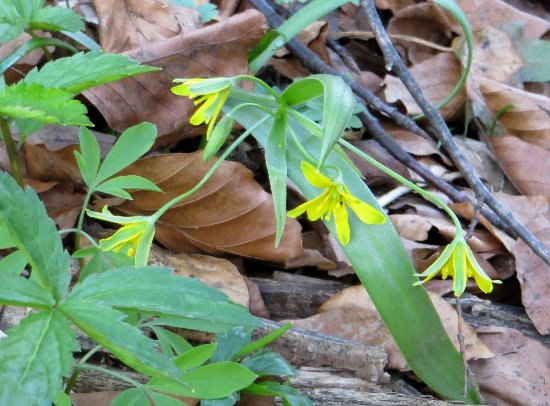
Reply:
x=134, y=238
x=333, y=200
x=212, y=93
x=458, y=262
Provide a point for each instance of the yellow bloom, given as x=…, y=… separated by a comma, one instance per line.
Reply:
x=134, y=238
x=458, y=262
x=212, y=93
x=334, y=199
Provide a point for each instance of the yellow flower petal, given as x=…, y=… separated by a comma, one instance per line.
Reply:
x=341, y=222
x=314, y=177
x=365, y=212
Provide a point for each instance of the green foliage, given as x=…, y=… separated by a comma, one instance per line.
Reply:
x=536, y=61
x=207, y=11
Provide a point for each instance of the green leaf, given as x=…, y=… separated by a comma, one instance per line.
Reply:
x=25, y=127
x=210, y=326
x=34, y=357
x=154, y=290
x=275, y=158
x=84, y=70
x=163, y=400
x=230, y=343
x=14, y=263
x=291, y=396
x=130, y=146
x=115, y=185
x=208, y=12
x=536, y=61
x=52, y=106
x=11, y=24
x=268, y=363
x=6, y=239
x=24, y=217
x=132, y=397
x=18, y=291
x=226, y=401
x=56, y=19
x=62, y=399
x=89, y=156
x=208, y=382
x=105, y=325
x=170, y=342
x=387, y=274
x=195, y=357
x=266, y=340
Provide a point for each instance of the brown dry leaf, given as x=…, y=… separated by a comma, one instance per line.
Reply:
x=528, y=119
x=411, y=226
x=220, y=49
x=230, y=214
x=394, y=5
x=350, y=314
x=414, y=143
x=425, y=21
x=24, y=64
x=518, y=374
x=124, y=25
x=496, y=13
x=526, y=165
x=437, y=76
x=216, y=272
x=63, y=204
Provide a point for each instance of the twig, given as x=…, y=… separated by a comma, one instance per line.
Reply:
x=312, y=62
x=395, y=63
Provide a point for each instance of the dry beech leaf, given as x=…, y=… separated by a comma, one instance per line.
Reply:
x=411, y=226
x=393, y=5
x=63, y=204
x=425, y=21
x=230, y=214
x=526, y=165
x=220, y=49
x=124, y=25
x=528, y=118
x=216, y=272
x=350, y=314
x=437, y=77
x=414, y=143
x=496, y=13
x=518, y=374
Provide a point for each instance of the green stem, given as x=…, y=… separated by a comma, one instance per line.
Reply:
x=81, y=232
x=81, y=220
x=11, y=149
x=300, y=147
x=248, y=97
x=260, y=82
x=117, y=375
x=210, y=172
x=78, y=368
x=427, y=195
x=47, y=54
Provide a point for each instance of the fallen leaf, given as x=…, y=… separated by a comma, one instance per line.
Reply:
x=350, y=314
x=393, y=5
x=230, y=214
x=518, y=374
x=437, y=77
x=24, y=64
x=124, y=25
x=220, y=49
x=411, y=226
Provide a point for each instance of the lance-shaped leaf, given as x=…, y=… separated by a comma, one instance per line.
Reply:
x=379, y=259
x=338, y=106
x=25, y=219
x=115, y=186
x=52, y=106
x=105, y=325
x=56, y=19
x=84, y=70
x=89, y=156
x=18, y=291
x=275, y=159
x=34, y=357
x=154, y=290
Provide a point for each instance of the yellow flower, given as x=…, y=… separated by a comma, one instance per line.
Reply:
x=458, y=262
x=212, y=93
x=134, y=238
x=334, y=199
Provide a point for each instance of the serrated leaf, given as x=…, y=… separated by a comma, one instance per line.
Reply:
x=24, y=217
x=275, y=159
x=135, y=182
x=105, y=325
x=56, y=19
x=195, y=357
x=208, y=382
x=90, y=156
x=52, y=106
x=268, y=363
x=84, y=70
x=130, y=146
x=154, y=290
x=11, y=26
x=34, y=357
x=18, y=291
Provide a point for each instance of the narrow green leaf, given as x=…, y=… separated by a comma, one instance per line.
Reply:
x=195, y=357
x=266, y=340
x=56, y=19
x=230, y=343
x=226, y=401
x=163, y=400
x=210, y=326
x=170, y=342
x=52, y=106
x=17, y=291
x=275, y=158
x=89, y=156
x=83, y=39
x=24, y=217
x=127, y=182
x=84, y=70
x=154, y=290
x=105, y=325
x=208, y=382
x=291, y=396
x=34, y=357
x=268, y=363
x=62, y=399
x=132, y=397
x=130, y=146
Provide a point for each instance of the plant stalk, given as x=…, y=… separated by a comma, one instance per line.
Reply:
x=11, y=149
